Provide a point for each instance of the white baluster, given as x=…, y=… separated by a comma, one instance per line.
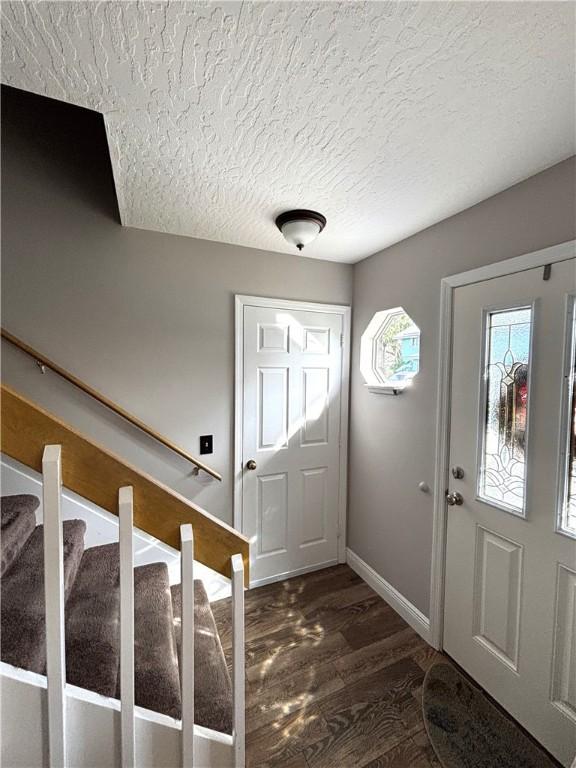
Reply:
x=238, y=671
x=54, y=602
x=125, y=513
x=187, y=643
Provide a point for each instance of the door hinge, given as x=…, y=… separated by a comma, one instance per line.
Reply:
x=342, y=340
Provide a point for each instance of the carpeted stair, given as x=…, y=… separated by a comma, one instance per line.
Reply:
x=23, y=629
x=213, y=698
x=92, y=593
x=92, y=622
x=18, y=522
x=155, y=659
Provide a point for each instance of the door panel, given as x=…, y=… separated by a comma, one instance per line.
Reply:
x=497, y=595
x=272, y=514
x=272, y=408
x=509, y=597
x=273, y=338
x=564, y=671
x=316, y=406
x=316, y=341
x=314, y=506
x=291, y=430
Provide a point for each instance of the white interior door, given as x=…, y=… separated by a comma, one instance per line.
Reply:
x=292, y=373
x=510, y=599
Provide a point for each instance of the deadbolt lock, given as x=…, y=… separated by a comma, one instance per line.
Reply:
x=457, y=473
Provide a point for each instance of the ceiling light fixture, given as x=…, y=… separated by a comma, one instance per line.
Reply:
x=300, y=227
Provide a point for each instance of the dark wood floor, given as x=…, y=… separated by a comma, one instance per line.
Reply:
x=334, y=676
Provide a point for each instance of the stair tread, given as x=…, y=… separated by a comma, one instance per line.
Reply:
x=18, y=523
x=23, y=626
x=213, y=688
x=156, y=675
x=92, y=622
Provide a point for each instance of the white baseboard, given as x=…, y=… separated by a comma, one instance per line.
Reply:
x=387, y=592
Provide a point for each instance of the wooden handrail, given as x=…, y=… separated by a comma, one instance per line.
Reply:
x=96, y=474
x=42, y=360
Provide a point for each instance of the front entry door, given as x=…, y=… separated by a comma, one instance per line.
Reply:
x=510, y=597
x=292, y=363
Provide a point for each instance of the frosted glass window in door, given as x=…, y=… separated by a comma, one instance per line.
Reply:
x=504, y=416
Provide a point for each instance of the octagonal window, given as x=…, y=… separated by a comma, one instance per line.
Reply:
x=390, y=350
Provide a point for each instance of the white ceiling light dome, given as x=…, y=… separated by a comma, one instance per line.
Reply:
x=300, y=227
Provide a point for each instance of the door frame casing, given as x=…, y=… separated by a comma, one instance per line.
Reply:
x=551, y=255
x=337, y=309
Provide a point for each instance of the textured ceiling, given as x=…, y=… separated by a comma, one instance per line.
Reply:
x=385, y=116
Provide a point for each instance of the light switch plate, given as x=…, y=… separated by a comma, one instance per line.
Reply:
x=206, y=444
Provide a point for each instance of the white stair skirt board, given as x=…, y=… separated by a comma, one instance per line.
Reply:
x=93, y=737
x=387, y=592
x=102, y=528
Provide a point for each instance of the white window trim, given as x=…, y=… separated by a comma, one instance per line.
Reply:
x=385, y=389
x=372, y=379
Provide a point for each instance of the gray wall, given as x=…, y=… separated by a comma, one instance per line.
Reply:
x=392, y=438
x=146, y=318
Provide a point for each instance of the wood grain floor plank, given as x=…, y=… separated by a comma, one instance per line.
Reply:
x=337, y=617
x=287, y=738
x=334, y=676
x=362, y=732
x=378, y=655
x=302, y=590
x=294, y=761
x=258, y=623
x=273, y=606
x=308, y=646
x=407, y=753
x=270, y=703
x=421, y=740
x=427, y=656
x=367, y=631
x=397, y=680
x=342, y=598
x=284, y=638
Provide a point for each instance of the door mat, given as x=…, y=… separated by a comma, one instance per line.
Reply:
x=468, y=731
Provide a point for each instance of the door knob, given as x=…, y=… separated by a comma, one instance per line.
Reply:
x=251, y=464
x=454, y=499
